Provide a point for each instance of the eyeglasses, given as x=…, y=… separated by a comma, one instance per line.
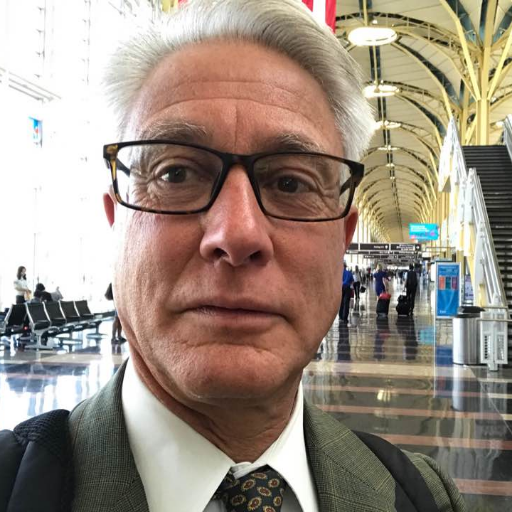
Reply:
x=164, y=177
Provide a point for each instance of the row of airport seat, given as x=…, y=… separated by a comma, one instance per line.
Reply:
x=38, y=324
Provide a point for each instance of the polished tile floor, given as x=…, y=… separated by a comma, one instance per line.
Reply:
x=393, y=377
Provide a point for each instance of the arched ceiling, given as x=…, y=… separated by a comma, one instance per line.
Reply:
x=451, y=58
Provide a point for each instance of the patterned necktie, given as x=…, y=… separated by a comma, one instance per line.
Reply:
x=260, y=491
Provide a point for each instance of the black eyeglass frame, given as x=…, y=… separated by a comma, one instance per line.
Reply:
x=110, y=152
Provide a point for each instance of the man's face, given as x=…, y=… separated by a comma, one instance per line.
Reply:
x=230, y=303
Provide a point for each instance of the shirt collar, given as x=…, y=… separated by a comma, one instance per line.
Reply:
x=174, y=460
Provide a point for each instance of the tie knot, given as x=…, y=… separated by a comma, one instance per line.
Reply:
x=260, y=490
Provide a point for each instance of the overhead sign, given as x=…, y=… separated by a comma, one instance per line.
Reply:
x=383, y=249
x=36, y=130
x=374, y=247
x=406, y=247
x=448, y=288
x=424, y=231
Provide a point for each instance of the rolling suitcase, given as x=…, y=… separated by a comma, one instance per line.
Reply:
x=403, y=308
x=383, y=304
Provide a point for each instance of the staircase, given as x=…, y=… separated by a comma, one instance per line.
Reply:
x=494, y=168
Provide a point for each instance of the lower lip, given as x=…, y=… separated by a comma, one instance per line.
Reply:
x=235, y=317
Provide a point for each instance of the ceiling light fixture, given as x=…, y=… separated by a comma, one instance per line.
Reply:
x=390, y=165
x=387, y=148
x=380, y=90
x=387, y=125
x=499, y=124
x=372, y=36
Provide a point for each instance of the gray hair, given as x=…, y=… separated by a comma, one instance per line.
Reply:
x=286, y=26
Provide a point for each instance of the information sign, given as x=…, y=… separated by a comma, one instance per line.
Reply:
x=468, y=290
x=448, y=286
x=424, y=231
x=374, y=247
x=406, y=247
x=36, y=130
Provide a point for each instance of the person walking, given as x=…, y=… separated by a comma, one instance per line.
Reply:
x=357, y=282
x=379, y=277
x=411, y=286
x=346, y=292
x=23, y=292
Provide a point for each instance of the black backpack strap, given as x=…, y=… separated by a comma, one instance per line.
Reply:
x=411, y=491
x=11, y=453
x=38, y=476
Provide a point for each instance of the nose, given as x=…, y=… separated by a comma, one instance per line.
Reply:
x=236, y=231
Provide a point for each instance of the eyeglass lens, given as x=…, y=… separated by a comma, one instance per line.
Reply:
x=174, y=178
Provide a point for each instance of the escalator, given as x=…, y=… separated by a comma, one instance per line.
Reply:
x=494, y=169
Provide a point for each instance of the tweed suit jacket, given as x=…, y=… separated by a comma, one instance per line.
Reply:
x=347, y=475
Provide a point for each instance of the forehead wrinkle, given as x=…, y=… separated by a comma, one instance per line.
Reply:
x=263, y=103
x=199, y=90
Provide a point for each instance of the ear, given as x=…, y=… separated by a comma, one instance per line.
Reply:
x=109, y=204
x=350, y=225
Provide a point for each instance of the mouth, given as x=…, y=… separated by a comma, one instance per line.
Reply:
x=235, y=314
x=219, y=310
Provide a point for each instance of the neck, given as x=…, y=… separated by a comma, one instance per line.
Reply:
x=234, y=427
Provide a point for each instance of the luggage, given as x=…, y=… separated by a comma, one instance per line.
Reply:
x=362, y=289
x=403, y=308
x=383, y=304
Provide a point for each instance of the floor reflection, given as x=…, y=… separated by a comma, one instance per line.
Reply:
x=394, y=377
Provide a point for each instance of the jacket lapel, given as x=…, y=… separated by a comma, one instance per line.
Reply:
x=105, y=475
x=347, y=475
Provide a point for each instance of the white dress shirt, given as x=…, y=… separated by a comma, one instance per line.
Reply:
x=178, y=465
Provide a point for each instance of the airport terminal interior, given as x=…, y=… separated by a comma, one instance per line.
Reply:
x=435, y=201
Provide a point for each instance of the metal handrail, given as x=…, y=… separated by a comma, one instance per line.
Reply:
x=458, y=154
x=470, y=182
x=507, y=132
x=496, y=290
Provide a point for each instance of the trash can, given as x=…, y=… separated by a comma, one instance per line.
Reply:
x=466, y=335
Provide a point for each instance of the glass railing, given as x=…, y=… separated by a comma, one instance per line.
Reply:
x=507, y=132
x=475, y=224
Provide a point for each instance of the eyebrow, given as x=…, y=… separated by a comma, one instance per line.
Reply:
x=181, y=131
x=289, y=142
x=177, y=131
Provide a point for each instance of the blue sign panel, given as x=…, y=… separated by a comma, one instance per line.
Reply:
x=424, y=231
x=36, y=130
x=447, y=289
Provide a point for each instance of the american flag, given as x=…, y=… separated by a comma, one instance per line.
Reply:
x=324, y=11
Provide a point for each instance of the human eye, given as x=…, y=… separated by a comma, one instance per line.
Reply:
x=180, y=165
x=180, y=173
x=288, y=176
x=168, y=177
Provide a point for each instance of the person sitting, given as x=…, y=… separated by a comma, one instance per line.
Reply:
x=42, y=294
x=57, y=295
